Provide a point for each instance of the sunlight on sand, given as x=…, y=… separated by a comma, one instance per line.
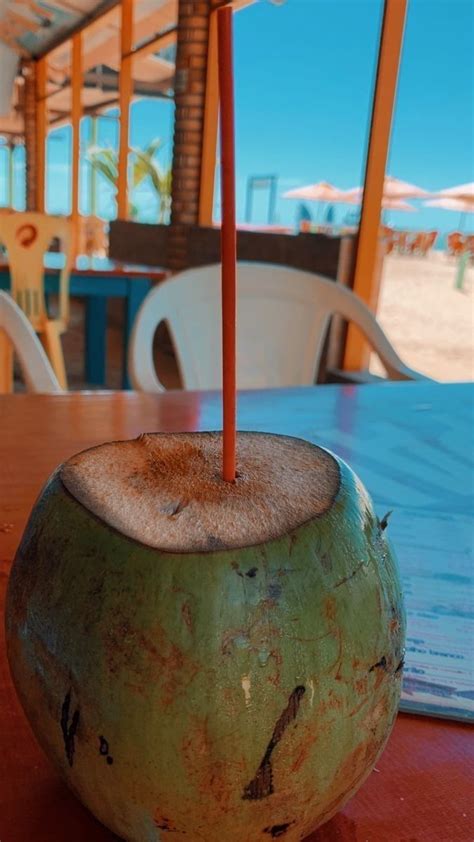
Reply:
x=430, y=323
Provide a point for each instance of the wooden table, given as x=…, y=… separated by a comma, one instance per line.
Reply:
x=97, y=279
x=421, y=791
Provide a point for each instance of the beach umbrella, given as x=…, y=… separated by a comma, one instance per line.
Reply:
x=461, y=205
x=355, y=198
x=323, y=191
x=393, y=188
x=462, y=192
x=397, y=204
x=320, y=192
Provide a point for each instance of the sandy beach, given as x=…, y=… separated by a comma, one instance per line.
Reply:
x=430, y=323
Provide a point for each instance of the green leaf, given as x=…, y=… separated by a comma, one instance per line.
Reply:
x=105, y=162
x=153, y=147
x=143, y=166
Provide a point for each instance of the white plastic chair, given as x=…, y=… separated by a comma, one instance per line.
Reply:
x=27, y=236
x=282, y=321
x=16, y=331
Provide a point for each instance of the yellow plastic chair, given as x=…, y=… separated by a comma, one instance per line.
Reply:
x=27, y=236
x=16, y=333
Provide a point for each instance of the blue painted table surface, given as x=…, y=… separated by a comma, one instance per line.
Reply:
x=96, y=279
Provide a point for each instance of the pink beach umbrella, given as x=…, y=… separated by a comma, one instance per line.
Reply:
x=450, y=202
x=393, y=188
x=320, y=192
x=462, y=193
x=397, y=204
x=387, y=203
x=355, y=198
x=461, y=205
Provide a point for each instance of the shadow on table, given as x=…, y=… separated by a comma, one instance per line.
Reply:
x=55, y=815
x=339, y=829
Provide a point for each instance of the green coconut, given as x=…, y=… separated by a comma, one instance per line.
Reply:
x=206, y=660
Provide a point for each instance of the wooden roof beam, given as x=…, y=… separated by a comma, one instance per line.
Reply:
x=104, y=8
x=157, y=42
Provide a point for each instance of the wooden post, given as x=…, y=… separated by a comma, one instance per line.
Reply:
x=211, y=119
x=40, y=134
x=366, y=282
x=125, y=92
x=76, y=114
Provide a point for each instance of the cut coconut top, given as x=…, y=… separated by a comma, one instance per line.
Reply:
x=166, y=490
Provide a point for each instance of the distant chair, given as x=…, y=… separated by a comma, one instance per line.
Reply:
x=16, y=332
x=401, y=241
x=422, y=242
x=387, y=234
x=415, y=243
x=93, y=239
x=283, y=318
x=469, y=244
x=456, y=243
x=27, y=236
x=429, y=241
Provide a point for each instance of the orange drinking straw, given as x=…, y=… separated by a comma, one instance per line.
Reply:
x=228, y=236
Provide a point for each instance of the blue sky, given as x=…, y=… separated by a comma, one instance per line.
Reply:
x=304, y=83
x=303, y=108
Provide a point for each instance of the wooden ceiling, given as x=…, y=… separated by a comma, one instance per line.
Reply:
x=25, y=29
x=31, y=26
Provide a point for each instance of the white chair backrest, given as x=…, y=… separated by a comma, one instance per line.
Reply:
x=27, y=236
x=282, y=320
x=35, y=366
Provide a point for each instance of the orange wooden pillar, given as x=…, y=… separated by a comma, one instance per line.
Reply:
x=211, y=119
x=125, y=92
x=40, y=173
x=366, y=282
x=76, y=115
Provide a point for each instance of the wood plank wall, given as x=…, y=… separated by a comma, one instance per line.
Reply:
x=137, y=242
